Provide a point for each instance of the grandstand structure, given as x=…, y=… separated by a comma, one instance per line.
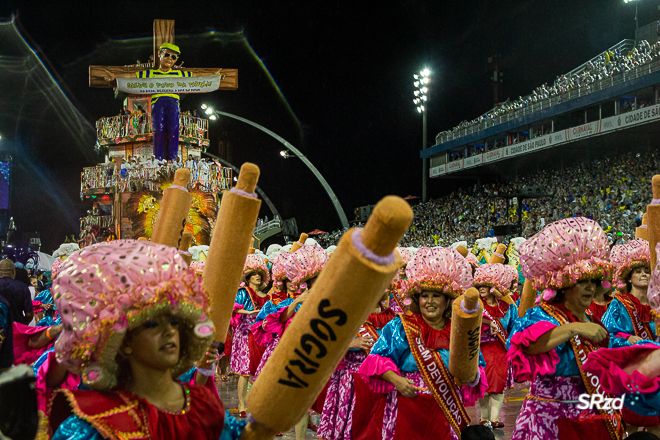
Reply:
x=620, y=108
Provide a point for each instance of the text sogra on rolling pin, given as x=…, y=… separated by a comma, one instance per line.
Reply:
x=313, y=341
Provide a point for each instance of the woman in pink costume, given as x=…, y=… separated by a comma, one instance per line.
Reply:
x=567, y=262
x=394, y=401
x=247, y=305
x=493, y=282
x=135, y=317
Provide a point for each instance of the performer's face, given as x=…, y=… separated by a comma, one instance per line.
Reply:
x=155, y=343
x=290, y=287
x=255, y=279
x=167, y=61
x=432, y=305
x=582, y=294
x=484, y=292
x=640, y=277
x=402, y=272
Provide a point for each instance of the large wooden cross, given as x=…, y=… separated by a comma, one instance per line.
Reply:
x=163, y=33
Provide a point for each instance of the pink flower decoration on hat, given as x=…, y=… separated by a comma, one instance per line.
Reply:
x=493, y=275
x=439, y=269
x=198, y=266
x=627, y=257
x=406, y=255
x=55, y=270
x=472, y=259
x=305, y=264
x=564, y=252
x=106, y=289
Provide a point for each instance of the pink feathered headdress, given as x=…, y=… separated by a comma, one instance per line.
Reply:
x=305, y=264
x=406, y=255
x=565, y=252
x=653, y=292
x=493, y=275
x=627, y=257
x=106, y=289
x=439, y=269
x=254, y=263
x=55, y=270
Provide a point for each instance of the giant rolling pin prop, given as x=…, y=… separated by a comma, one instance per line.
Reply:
x=528, y=298
x=464, y=336
x=173, y=211
x=643, y=231
x=498, y=255
x=186, y=240
x=347, y=290
x=231, y=240
x=300, y=243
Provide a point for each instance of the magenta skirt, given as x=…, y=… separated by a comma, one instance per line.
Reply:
x=240, y=348
x=270, y=348
x=337, y=416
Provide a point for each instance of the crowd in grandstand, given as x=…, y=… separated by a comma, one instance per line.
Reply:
x=612, y=191
x=604, y=66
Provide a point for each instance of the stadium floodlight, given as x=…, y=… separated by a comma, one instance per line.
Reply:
x=213, y=117
x=426, y=72
x=415, y=76
x=283, y=153
x=422, y=79
x=416, y=93
x=424, y=97
x=209, y=110
x=424, y=90
x=416, y=84
x=204, y=106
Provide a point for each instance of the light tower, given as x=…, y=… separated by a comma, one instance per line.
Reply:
x=421, y=83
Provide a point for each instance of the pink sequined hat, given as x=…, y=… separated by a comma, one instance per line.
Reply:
x=254, y=263
x=55, y=270
x=439, y=269
x=493, y=275
x=406, y=255
x=627, y=257
x=511, y=275
x=279, y=269
x=472, y=259
x=305, y=264
x=565, y=252
x=106, y=289
x=653, y=292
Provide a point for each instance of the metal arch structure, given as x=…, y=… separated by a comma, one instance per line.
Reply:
x=262, y=194
x=312, y=168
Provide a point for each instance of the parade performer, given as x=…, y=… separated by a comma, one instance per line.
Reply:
x=403, y=398
x=249, y=300
x=145, y=321
x=337, y=415
x=493, y=282
x=396, y=300
x=566, y=261
x=628, y=317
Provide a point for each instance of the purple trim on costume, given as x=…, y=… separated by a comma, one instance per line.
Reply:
x=655, y=202
x=250, y=419
x=476, y=379
x=298, y=241
x=243, y=193
x=179, y=187
x=368, y=253
x=499, y=255
x=469, y=311
x=185, y=252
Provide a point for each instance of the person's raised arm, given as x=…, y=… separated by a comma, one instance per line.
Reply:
x=558, y=335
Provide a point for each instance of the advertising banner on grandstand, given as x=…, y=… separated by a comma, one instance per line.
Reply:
x=437, y=171
x=455, y=166
x=493, y=155
x=581, y=131
x=628, y=119
x=472, y=161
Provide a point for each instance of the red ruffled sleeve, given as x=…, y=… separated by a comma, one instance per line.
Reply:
x=371, y=369
x=608, y=364
x=525, y=366
x=236, y=317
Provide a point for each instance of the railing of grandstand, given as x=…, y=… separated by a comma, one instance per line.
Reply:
x=260, y=229
x=101, y=221
x=597, y=85
x=214, y=179
x=117, y=127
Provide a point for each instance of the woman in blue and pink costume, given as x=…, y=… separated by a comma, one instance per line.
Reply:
x=567, y=262
x=629, y=317
x=633, y=369
x=249, y=301
x=394, y=401
x=494, y=282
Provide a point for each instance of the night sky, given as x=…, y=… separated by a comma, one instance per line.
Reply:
x=333, y=78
